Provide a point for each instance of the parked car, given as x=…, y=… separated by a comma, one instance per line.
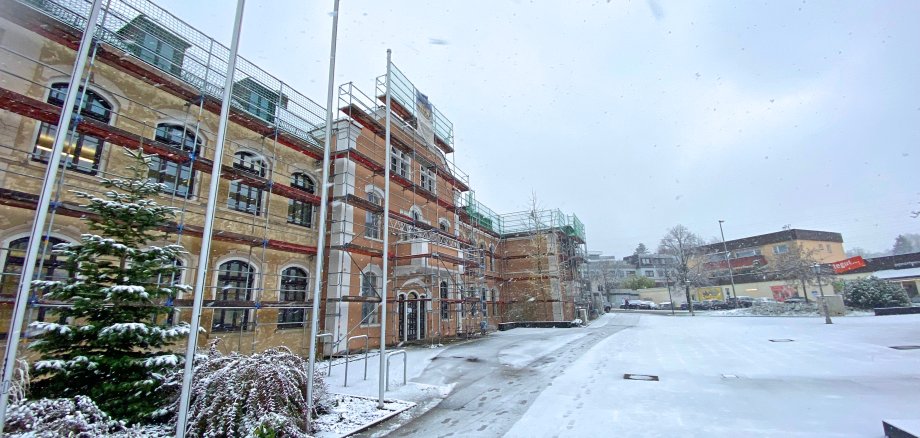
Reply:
x=742, y=301
x=696, y=306
x=716, y=304
x=794, y=300
x=665, y=305
x=763, y=300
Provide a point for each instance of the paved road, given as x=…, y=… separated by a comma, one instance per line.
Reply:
x=498, y=378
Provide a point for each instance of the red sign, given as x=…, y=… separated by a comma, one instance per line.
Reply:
x=848, y=264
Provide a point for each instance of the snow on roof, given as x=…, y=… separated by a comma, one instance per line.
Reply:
x=888, y=274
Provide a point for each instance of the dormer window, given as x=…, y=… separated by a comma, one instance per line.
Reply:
x=155, y=45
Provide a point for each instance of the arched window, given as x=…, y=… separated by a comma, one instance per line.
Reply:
x=51, y=266
x=235, y=281
x=244, y=197
x=369, y=290
x=178, y=177
x=444, y=225
x=484, y=302
x=482, y=256
x=445, y=306
x=81, y=152
x=372, y=218
x=294, y=284
x=301, y=212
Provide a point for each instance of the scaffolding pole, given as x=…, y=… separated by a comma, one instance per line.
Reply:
x=211, y=209
x=324, y=194
x=28, y=269
x=386, y=242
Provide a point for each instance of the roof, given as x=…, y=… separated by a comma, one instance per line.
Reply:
x=891, y=274
x=896, y=262
x=777, y=237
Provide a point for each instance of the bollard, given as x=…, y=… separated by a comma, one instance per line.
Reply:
x=405, y=362
x=347, y=356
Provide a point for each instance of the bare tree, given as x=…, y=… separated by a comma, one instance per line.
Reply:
x=797, y=266
x=684, y=246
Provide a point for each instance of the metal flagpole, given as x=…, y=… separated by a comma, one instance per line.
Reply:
x=386, y=244
x=204, y=254
x=35, y=237
x=321, y=245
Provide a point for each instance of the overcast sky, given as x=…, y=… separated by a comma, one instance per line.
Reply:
x=639, y=115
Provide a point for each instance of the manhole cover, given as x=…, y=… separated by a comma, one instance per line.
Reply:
x=640, y=377
x=906, y=347
x=780, y=340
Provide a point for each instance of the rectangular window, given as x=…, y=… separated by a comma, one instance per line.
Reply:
x=300, y=213
x=245, y=198
x=747, y=252
x=650, y=274
x=429, y=179
x=630, y=273
x=372, y=225
x=780, y=249
x=400, y=164
x=828, y=247
x=160, y=54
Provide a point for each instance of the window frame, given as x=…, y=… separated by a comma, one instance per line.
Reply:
x=254, y=164
x=89, y=106
x=428, y=179
x=163, y=165
x=289, y=318
x=221, y=292
x=301, y=213
x=372, y=219
x=401, y=164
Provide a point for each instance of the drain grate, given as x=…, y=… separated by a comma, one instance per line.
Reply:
x=906, y=347
x=781, y=340
x=640, y=377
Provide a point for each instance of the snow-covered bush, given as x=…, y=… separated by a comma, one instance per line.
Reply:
x=264, y=394
x=76, y=417
x=109, y=341
x=869, y=293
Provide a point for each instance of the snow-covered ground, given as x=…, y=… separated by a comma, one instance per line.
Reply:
x=724, y=377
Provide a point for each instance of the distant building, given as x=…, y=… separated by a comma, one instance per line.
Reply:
x=654, y=266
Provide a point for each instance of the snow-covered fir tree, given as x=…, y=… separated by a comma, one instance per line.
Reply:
x=109, y=341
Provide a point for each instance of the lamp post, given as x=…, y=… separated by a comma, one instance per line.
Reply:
x=827, y=315
x=731, y=273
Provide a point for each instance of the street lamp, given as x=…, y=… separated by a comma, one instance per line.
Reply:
x=731, y=273
x=827, y=315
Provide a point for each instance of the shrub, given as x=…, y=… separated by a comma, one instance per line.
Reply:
x=262, y=395
x=76, y=417
x=869, y=293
